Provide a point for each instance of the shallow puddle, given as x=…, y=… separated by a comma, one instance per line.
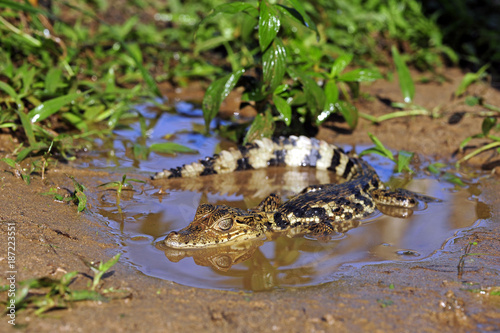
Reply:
x=145, y=216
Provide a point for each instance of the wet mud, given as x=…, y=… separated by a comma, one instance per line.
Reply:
x=432, y=272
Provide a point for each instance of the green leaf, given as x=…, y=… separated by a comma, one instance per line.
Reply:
x=281, y=89
x=171, y=148
x=9, y=161
x=283, y=108
x=104, y=267
x=360, y=75
x=405, y=81
x=274, y=64
x=331, y=98
x=28, y=76
x=349, y=112
x=148, y=78
x=488, y=124
x=26, y=7
x=53, y=80
x=465, y=141
x=305, y=19
x=435, y=168
x=269, y=24
x=262, y=127
x=124, y=29
x=451, y=178
x=9, y=90
x=26, y=151
x=315, y=97
x=82, y=200
x=470, y=78
x=216, y=93
x=472, y=100
x=378, y=149
x=231, y=8
x=141, y=152
x=340, y=64
x=404, y=159
x=28, y=127
x=48, y=108
x=85, y=295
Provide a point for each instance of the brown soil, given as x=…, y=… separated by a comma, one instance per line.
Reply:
x=427, y=295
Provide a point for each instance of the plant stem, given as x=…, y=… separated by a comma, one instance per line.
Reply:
x=477, y=151
x=396, y=114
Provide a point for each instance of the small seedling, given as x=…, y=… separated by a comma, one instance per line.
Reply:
x=78, y=196
x=46, y=294
x=385, y=302
x=403, y=157
x=19, y=172
x=122, y=185
x=436, y=169
x=100, y=269
x=469, y=79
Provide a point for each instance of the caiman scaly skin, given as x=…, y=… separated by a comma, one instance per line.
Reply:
x=320, y=210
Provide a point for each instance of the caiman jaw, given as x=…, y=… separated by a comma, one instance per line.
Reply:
x=212, y=226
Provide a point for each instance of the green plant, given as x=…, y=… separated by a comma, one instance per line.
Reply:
x=78, y=196
x=123, y=184
x=284, y=88
x=437, y=169
x=19, y=171
x=489, y=124
x=100, y=268
x=44, y=294
x=403, y=157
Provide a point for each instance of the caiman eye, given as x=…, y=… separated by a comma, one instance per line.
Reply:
x=225, y=224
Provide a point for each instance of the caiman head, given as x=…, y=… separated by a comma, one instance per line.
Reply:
x=214, y=225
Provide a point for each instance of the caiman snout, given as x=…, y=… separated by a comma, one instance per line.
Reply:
x=173, y=239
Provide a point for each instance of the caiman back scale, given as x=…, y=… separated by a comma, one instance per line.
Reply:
x=320, y=210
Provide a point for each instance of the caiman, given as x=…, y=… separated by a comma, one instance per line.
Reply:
x=320, y=210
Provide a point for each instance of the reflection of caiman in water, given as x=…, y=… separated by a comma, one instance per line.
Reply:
x=220, y=258
x=257, y=271
x=320, y=210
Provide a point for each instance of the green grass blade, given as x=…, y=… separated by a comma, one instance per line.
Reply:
x=28, y=127
x=405, y=81
x=53, y=80
x=48, y=108
x=9, y=90
x=148, y=78
x=171, y=148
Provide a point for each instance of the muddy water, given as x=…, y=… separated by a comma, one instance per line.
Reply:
x=145, y=215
